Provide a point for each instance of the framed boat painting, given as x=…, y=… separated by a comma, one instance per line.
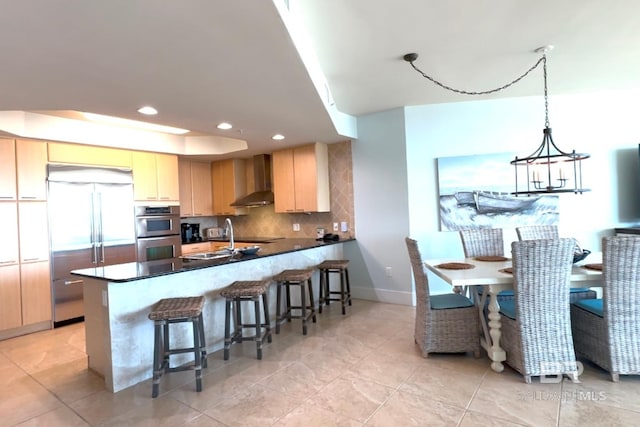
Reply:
x=475, y=192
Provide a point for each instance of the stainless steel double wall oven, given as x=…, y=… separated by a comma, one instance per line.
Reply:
x=158, y=232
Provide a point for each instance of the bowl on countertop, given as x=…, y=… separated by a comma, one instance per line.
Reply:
x=579, y=256
x=249, y=250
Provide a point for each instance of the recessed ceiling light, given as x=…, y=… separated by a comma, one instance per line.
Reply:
x=147, y=110
x=277, y=137
x=117, y=121
x=224, y=126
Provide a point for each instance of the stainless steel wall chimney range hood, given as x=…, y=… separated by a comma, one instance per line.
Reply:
x=262, y=175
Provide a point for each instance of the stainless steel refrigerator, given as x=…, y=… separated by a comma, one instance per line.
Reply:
x=91, y=224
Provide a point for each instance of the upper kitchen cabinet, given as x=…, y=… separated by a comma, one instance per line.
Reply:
x=9, y=254
x=31, y=165
x=155, y=177
x=229, y=184
x=34, y=232
x=301, y=179
x=7, y=169
x=60, y=152
x=195, y=188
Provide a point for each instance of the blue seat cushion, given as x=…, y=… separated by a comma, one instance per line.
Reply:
x=443, y=302
x=507, y=293
x=508, y=308
x=593, y=306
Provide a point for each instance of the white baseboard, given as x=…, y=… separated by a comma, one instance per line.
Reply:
x=382, y=295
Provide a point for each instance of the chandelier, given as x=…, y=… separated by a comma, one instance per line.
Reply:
x=548, y=169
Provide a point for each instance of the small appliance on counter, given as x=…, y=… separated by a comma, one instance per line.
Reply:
x=190, y=233
x=213, y=232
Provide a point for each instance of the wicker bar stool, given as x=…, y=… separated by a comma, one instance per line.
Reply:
x=235, y=294
x=337, y=266
x=288, y=278
x=177, y=310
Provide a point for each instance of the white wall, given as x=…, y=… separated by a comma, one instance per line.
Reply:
x=381, y=209
x=600, y=124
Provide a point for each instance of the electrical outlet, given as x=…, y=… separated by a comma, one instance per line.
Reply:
x=296, y=227
x=335, y=226
x=343, y=226
x=388, y=271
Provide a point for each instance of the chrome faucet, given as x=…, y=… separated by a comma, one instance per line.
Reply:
x=228, y=231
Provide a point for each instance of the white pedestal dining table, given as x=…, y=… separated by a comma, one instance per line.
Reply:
x=492, y=277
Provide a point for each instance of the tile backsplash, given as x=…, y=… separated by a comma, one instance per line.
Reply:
x=264, y=222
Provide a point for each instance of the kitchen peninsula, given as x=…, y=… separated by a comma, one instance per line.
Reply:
x=118, y=299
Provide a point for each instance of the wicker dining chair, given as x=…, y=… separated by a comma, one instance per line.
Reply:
x=482, y=242
x=607, y=331
x=536, y=232
x=536, y=326
x=444, y=323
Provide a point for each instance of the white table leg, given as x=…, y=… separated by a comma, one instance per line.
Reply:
x=496, y=353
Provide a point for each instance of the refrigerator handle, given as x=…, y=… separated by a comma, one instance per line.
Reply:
x=94, y=254
x=100, y=231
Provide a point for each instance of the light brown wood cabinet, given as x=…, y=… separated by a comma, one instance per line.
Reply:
x=60, y=152
x=155, y=177
x=229, y=184
x=35, y=287
x=9, y=252
x=196, y=248
x=25, y=284
x=31, y=169
x=33, y=230
x=8, y=189
x=301, y=179
x=196, y=194
x=10, y=298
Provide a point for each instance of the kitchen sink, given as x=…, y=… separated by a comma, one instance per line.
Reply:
x=223, y=253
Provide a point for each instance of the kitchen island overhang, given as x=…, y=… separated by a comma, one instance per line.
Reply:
x=118, y=299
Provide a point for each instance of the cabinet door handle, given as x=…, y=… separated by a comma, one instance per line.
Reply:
x=31, y=259
x=13, y=261
x=164, y=197
x=73, y=282
x=28, y=197
x=7, y=197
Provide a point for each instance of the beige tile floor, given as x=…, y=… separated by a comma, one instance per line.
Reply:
x=353, y=370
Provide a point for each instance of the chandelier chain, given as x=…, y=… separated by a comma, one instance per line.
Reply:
x=542, y=59
x=546, y=99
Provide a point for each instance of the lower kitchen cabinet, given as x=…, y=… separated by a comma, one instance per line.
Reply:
x=196, y=248
x=25, y=295
x=10, y=299
x=35, y=292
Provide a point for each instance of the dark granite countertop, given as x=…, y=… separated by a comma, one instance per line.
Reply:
x=143, y=270
x=241, y=239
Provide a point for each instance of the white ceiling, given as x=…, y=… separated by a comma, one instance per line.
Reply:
x=200, y=62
